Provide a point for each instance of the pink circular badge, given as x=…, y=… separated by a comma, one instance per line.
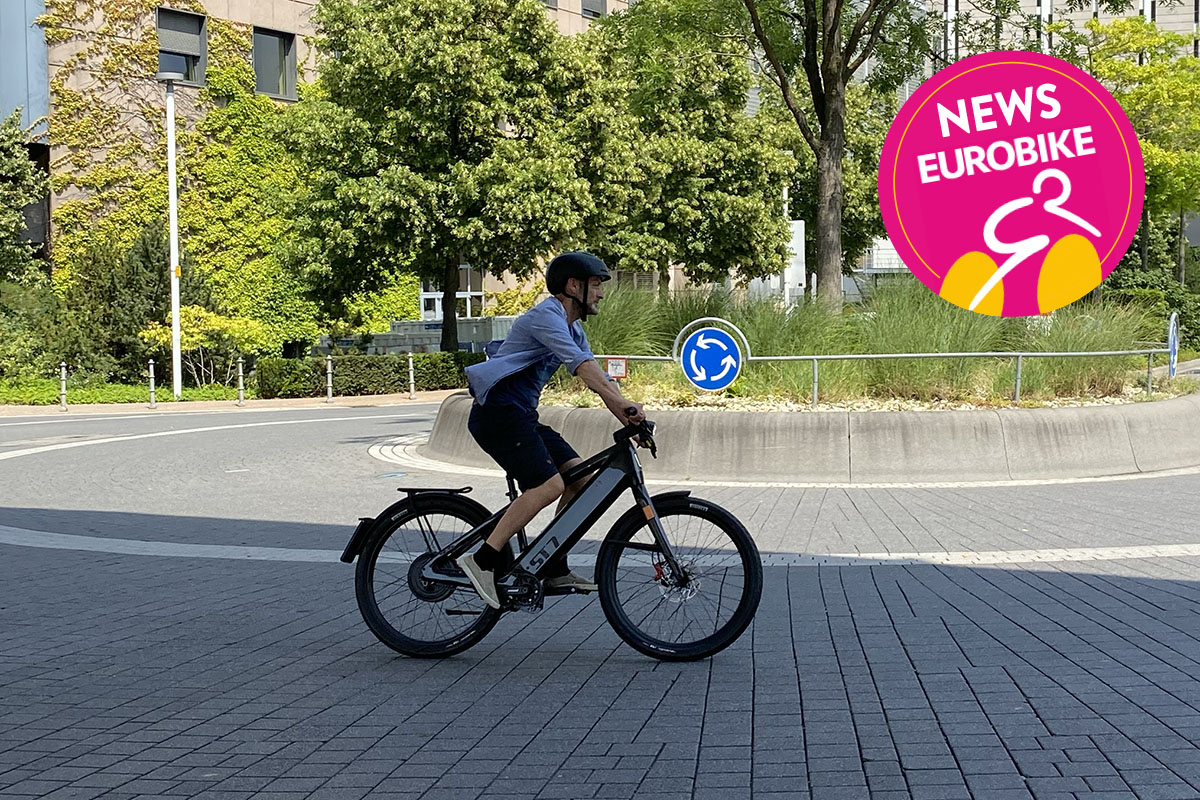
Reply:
x=1011, y=183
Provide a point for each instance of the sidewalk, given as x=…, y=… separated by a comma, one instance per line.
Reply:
x=364, y=401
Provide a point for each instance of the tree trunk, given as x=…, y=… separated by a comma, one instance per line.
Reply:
x=1182, y=252
x=450, y=306
x=1145, y=239
x=830, y=191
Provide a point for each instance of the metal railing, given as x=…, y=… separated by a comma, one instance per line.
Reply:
x=1020, y=356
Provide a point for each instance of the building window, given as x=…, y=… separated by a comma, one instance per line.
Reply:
x=469, y=298
x=182, y=44
x=550, y=3
x=275, y=63
x=593, y=9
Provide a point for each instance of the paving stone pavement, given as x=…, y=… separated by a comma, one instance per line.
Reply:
x=125, y=676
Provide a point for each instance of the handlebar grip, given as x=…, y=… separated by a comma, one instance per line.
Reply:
x=629, y=412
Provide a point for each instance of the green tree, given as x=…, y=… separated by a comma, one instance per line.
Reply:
x=810, y=52
x=1157, y=82
x=210, y=343
x=680, y=175
x=872, y=111
x=430, y=141
x=111, y=295
x=20, y=185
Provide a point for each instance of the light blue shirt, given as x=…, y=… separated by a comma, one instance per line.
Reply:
x=538, y=343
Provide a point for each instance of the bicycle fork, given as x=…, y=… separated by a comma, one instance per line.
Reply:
x=677, y=576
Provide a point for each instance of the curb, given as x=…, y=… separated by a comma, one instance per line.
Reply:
x=193, y=406
x=877, y=446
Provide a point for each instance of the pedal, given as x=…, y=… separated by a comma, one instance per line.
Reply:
x=550, y=592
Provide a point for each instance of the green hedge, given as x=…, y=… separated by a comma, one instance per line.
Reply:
x=360, y=375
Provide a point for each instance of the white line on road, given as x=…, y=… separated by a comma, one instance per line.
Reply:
x=123, y=415
x=21, y=537
x=68, y=445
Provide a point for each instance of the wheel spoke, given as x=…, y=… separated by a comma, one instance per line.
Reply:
x=414, y=610
x=698, y=612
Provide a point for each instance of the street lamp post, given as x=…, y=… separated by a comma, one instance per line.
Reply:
x=169, y=79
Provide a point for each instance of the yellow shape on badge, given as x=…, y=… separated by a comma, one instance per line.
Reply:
x=1071, y=270
x=966, y=278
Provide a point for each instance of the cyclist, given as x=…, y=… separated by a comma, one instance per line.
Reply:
x=504, y=420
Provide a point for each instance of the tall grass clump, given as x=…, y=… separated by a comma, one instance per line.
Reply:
x=899, y=317
x=905, y=317
x=1085, y=327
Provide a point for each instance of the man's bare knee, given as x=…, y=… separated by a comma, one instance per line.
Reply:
x=551, y=490
x=573, y=488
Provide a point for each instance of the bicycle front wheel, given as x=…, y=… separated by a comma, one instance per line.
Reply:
x=409, y=614
x=673, y=617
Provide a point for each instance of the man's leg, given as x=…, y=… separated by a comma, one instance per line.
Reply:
x=524, y=509
x=569, y=492
x=556, y=570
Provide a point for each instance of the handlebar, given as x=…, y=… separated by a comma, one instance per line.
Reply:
x=643, y=432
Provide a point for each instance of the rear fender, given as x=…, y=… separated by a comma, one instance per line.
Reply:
x=366, y=525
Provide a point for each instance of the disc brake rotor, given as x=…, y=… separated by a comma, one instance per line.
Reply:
x=672, y=591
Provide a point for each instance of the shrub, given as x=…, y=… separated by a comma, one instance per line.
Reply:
x=363, y=374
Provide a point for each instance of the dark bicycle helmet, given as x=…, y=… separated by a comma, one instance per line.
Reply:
x=574, y=264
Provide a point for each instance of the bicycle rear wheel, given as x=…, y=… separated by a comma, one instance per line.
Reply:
x=409, y=614
x=672, y=619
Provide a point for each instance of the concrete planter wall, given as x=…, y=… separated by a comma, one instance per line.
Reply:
x=868, y=447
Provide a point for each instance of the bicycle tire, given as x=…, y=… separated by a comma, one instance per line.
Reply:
x=371, y=579
x=615, y=571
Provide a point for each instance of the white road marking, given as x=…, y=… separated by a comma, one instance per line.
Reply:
x=123, y=415
x=108, y=440
x=21, y=537
x=402, y=450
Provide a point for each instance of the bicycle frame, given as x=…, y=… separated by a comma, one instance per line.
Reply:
x=615, y=469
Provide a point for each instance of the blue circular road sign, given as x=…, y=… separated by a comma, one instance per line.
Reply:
x=711, y=359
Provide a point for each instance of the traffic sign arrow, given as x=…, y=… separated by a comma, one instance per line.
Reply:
x=698, y=371
x=729, y=363
x=704, y=343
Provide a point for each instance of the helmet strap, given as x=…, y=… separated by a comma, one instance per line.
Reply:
x=583, y=311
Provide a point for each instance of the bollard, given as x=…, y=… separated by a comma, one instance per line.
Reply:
x=241, y=382
x=814, y=391
x=152, y=403
x=1017, y=390
x=328, y=379
x=412, y=386
x=62, y=389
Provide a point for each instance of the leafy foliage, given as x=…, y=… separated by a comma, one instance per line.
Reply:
x=679, y=173
x=20, y=185
x=512, y=302
x=405, y=164
x=210, y=343
x=110, y=296
x=363, y=374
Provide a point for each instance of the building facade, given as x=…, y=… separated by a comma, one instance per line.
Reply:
x=100, y=62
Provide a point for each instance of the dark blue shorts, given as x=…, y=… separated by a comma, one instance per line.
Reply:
x=530, y=452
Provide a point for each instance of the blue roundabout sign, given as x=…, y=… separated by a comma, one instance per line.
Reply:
x=711, y=359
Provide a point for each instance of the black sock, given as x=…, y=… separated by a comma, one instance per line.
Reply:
x=487, y=557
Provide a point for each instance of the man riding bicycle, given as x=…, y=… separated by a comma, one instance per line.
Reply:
x=504, y=420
